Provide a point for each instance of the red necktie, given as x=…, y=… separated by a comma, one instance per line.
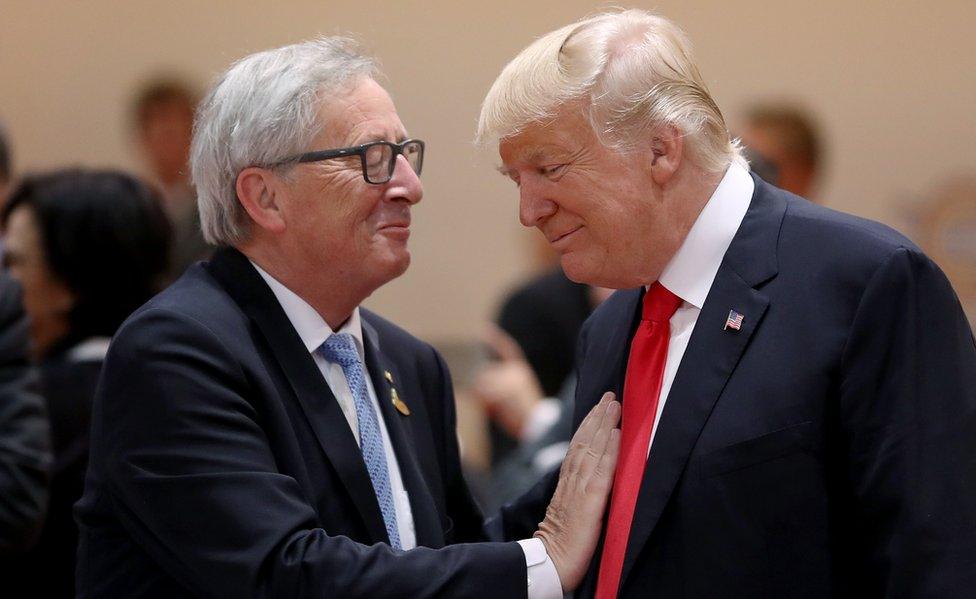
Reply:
x=642, y=386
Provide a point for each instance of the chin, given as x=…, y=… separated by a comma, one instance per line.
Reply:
x=578, y=270
x=596, y=273
x=396, y=265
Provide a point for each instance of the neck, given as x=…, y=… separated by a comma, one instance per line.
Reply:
x=328, y=293
x=697, y=187
x=686, y=193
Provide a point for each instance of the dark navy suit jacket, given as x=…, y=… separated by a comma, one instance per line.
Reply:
x=222, y=465
x=825, y=449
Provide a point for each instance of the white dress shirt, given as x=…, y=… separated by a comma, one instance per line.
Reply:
x=691, y=271
x=543, y=580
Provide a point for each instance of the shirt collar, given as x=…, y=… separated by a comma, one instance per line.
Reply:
x=308, y=323
x=690, y=272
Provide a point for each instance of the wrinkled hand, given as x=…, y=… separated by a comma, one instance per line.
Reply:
x=508, y=389
x=574, y=518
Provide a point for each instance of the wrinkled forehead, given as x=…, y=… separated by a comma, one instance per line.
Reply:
x=359, y=113
x=564, y=134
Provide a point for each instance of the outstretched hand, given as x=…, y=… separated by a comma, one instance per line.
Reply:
x=574, y=518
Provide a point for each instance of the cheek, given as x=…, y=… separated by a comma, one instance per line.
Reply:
x=43, y=296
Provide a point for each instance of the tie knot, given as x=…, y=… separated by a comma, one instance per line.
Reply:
x=340, y=349
x=659, y=304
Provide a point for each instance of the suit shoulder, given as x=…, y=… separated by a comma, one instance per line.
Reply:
x=392, y=336
x=547, y=293
x=542, y=288
x=828, y=231
x=195, y=301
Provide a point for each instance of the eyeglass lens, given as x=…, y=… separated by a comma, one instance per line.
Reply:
x=380, y=161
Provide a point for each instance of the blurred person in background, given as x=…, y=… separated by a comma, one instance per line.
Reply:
x=527, y=387
x=542, y=316
x=5, y=166
x=25, y=447
x=162, y=117
x=785, y=146
x=88, y=248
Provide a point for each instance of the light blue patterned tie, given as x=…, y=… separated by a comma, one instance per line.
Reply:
x=341, y=349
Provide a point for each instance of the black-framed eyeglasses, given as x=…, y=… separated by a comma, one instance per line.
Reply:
x=378, y=158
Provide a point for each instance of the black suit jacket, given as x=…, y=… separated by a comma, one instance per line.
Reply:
x=67, y=385
x=826, y=449
x=222, y=465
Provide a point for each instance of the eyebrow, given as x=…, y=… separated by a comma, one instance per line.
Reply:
x=401, y=136
x=537, y=154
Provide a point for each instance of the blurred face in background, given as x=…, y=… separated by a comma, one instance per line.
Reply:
x=790, y=169
x=165, y=136
x=47, y=299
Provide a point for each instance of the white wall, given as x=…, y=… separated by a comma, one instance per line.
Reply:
x=894, y=84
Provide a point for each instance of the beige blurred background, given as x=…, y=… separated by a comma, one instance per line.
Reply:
x=893, y=84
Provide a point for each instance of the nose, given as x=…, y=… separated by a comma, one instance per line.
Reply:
x=405, y=183
x=534, y=207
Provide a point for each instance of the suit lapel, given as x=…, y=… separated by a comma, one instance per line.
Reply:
x=316, y=400
x=606, y=357
x=605, y=367
x=423, y=508
x=709, y=360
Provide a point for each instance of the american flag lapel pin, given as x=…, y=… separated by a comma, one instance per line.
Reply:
x=734, y=321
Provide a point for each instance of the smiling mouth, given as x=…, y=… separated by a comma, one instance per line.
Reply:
x=400, y=230
x=559, y=238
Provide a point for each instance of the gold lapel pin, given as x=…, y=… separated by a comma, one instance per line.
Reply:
x=398, y=403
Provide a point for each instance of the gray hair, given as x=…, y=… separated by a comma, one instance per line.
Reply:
x=630, y=71
x=263, y=109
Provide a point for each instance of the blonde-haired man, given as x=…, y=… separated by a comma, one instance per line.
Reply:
x=798, y=385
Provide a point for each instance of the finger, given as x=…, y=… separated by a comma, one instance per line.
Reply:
x=609, y=413
x=502, y=344
x=611, y=417
x=599, y=417
x=591, y=423
x=583, y=435
x=598, y=447
x=602, y=480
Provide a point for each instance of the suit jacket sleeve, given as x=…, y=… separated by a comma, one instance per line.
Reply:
x=189, y=473
x=908, y=407
x=24, y=443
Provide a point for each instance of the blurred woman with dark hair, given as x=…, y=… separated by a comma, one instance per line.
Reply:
x=88, y=247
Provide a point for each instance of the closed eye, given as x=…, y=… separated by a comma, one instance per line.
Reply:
x=552, y=169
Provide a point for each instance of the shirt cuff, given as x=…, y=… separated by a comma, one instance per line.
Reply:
x=540, y=420
x=543, y=580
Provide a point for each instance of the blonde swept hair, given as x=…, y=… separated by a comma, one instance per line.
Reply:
x=631, y=72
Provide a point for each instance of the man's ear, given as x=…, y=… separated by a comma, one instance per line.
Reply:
x=260, y=191
x=667, y=151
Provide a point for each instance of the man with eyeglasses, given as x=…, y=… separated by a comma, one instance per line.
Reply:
x=256, y=433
